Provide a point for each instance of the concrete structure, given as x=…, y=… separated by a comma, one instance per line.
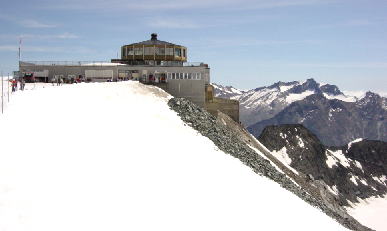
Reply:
x=150, y=62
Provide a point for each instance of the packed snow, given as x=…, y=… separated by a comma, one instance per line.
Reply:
x=371, y=212
x=341, y=97
x=284, y=88
x=353, y=179
x=339, y=157
x=283, y=156
x=382, y=179
x=353, y=142
x=296, y=97
x=262, y=97
x=331, y=161
x=333, y=190
x=300, y=142
x=113, y=156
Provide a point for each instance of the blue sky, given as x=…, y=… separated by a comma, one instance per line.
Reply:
x=246, y=43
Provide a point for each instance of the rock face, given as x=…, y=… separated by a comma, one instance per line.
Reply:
x=335, y=122
x=231, y=138
x=353, y=171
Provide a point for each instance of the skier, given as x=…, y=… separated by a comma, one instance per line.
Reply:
x=53, y=81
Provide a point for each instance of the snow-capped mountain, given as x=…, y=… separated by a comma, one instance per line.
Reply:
x=265, y=102
x=118, y=156
x=334, y=117
x=226, y=91
x=345, y=176
x=335, y=122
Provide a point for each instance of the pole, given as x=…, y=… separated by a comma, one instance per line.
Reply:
x=8, y=87
x=2, y=93
x=20, y=43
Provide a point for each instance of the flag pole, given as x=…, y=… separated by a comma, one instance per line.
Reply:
x=2, y=93
x=8, y=87
x=19, y=54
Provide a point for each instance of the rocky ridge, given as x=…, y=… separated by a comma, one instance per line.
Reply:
x=234, y=140
x=354, y=171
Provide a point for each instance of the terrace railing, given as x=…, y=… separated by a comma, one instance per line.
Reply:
x=108, y=63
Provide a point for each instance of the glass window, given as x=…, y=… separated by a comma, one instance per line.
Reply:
x=189, y=75
x=183, y=52
x=178, y=52
x=130, y=51
x=149, y=50
x=200, y=76
x=185, y=75
x=160, y=51
x=181, y=75
x=173, y=75
x=138, y=51
x=169, y=51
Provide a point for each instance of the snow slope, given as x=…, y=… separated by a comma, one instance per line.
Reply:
x=113, y=156
x=371, y=212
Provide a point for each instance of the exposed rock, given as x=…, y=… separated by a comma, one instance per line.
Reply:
x=350, y=170
x=232, y=140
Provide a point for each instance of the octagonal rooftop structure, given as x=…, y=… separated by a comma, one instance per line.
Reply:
x=152, y=51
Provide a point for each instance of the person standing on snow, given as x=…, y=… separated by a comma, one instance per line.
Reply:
x=14, y=85
x=22, y=84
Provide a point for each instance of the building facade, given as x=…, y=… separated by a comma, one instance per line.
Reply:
x=153, y=62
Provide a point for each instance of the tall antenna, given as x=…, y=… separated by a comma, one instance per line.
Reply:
x=20, y=43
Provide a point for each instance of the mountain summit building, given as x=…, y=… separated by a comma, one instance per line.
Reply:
x=153, y=61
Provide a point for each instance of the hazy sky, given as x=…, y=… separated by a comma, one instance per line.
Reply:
x=247, y=43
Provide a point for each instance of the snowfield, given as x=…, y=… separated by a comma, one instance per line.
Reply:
x=113, y=156
x=371, y=212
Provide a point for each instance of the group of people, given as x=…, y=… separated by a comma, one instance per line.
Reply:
x=14, y=84
x=58, y=81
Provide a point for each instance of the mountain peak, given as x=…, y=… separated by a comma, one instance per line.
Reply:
x=370, y=94
x=331, y=89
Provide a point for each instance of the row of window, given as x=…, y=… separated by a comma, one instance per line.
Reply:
x=127, y=51
x=193, y=76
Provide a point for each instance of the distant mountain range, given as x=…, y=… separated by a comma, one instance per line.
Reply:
x=334, y=117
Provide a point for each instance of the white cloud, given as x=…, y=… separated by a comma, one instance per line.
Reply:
x=46, y=49
x=30, y=23
x=65, y=35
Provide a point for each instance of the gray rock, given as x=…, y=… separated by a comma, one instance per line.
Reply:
x=232, y=143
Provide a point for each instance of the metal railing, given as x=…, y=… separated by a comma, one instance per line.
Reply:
x=108, y=63
x=67, y=63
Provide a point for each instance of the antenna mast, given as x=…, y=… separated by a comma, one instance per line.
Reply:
x=20, y=43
